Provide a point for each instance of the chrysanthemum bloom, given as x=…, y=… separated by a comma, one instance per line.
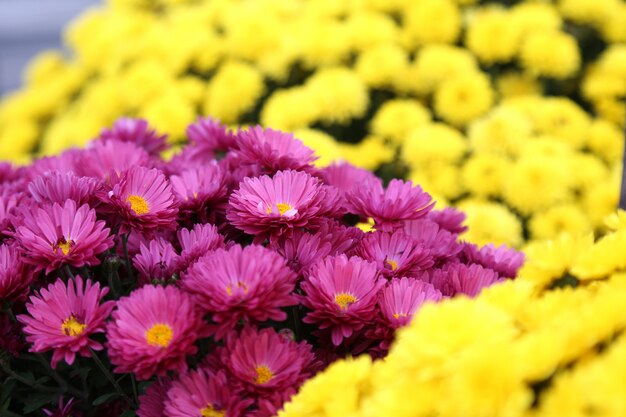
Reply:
x=142, y=198
x=156, y=261
x=197, y=242
x=11, y=340
x=66, y=161
x=273, y=150
x=342, y=295
x=389, y=207
x=250, y=284
x=464, y=279
x=395, y=254
x=200, y=192
x=137, y=131
x=344, y=176
x=449, y=219
x=106, y=160
x=204, y=393
x=64, y=409
x=291, y=199
x=15, y=276
x=262, y=361
x=62, y=317
x=56, y=187
x=441, y=243
x=210, y=137
x=153, y=330
x=9, y=203
x=502, y=259
x=152, y=401
x=63, y=235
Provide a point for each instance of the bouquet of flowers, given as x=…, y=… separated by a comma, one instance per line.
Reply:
x=215, y=281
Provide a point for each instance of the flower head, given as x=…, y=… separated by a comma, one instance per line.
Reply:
x=63, y=235
x=65, y=409
x=153, y=330
x=197, y=242
x=152, y=401
x=441, y=243
x=389, y=207
x=200, y=192
x=210, y=136
x=138, y=132
x=11, y=336
x=502, y=259
x=342, y=295
x=464, y=279
x=402, y=297
x=106, y=160
x=15, y=276
x=289, y=200
x=56, y=187
x=156, y=261
x=142, y=198
x=345, y=176
x=250, y=284
x=64, y=316
x=449, y=219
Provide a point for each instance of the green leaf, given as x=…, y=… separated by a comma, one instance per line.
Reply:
x=104, y=398
x=128, y=413
x=36, y=401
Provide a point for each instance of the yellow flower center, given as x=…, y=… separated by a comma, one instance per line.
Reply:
x=159, y=335
x=72, y=327
x=64, y=244
x=209, y=411
x=392, y=264
x=282, y=208
x=398, y=315
x=138, y=204
x=344, y=300
x=263, y=374
x=240, y=284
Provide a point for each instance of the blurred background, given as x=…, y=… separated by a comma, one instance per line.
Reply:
x=29, y=26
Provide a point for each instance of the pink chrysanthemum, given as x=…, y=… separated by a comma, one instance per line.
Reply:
x=502, y=259
x=291, y=199
x=142, y=198
x=250, y=284
x=210, y=136
x=400, y=300
x=204, y=393
x=56, y=187
x=156, y=261
x=106, y=160
x=441, y=243
x=62, y=317
x=262, y=361
x=10, y=203
x=464, y=279
x=10, y=336
x=152, y=401
x=197, y=242
x=273, y=150
x=138, y=132
x=395, y=254
x=15, y=276
x=67, y=161
x=389, y=207
x=345, y=176
x=153, y=330
x=64, y=409
x=342, y=295
x=449, y=219
x=200, y=193
x=54, y=236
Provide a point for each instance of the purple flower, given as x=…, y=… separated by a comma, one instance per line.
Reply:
x=56, y=187
x=464, y=279
x=156, y=261
x=106, y=160
x=197, y=242
x=449, y=219
x=402, y=297
x=138, y=132
x=502, y=259
x=200, y=193
x=441, y=243
x=15, y=276
x=152, y=401
x=345, y=176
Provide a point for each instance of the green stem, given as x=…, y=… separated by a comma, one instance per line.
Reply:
x=68, y=271
x=111, y=282
x=296, y=322
x=37, y=387
x=107, y=373
x=129, y=266
x=132, y=378
x=59, y=379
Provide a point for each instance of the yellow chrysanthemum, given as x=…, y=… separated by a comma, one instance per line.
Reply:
x=381, y=65
x=441, y=178
x=463, y=99
x=551, y=54
x=433, y=142
x=395, y=119
x=490, y=222
x=514, y=84
x=493, y=36
x=535, y=16
x=431, y=21
x=289, y=109
x=501, y=131
x=325, y=147
x=484, y=174
x=565, y=218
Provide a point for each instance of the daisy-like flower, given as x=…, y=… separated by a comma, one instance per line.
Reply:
x=200, y=193
x=210, y=136
x=15, y=276
x=250, y=284
x=63, y=317
x=272, y=206
x=10, y=202
x=391, y=206
x=156, y=261
x=153, y=330
x=56, y=187
x=402, y=297
x=11, y=340
x=142, y=198
x=273, y=150
x=137, y=131
x=441, y=243
x=464, y=279
x=449, y=219
x=106, y=160
x=344, y=176
x=502, y=259
x=342, y=295
x=152, y=401
x=395, y=254
x=63, y=235
x=204, y=393
x=197, y=242
x=262, y=361
x=64, y=409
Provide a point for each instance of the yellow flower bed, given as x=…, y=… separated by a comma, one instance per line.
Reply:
x=550, y=343
x=513, y=113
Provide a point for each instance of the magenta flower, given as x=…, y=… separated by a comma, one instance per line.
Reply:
x=62, y=317
x=502, y=259
x=156, y=261
x=250, y=284
x=449, y=219
x=342, y=295
x=15, y=276
x=10, y=204
x=389, y=207
x=395, y=254
x=197, y=242
x=64, y=409
x=138, y=132
x=153, y=330
x=11, y=340
x=152, y=401
x=56, y=187
x=273, y=150
x=291, y=199
x=106, y=160
x=464, y=279
x=263, y=362
x=142, y=199
x=63, y=235
x=345, y=176
x=441, y=243
x=210, y=136
x=400, y=300
x=200, y=193
x=204, y=393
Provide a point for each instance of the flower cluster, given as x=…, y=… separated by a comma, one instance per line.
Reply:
x=225, y=276
x=447, y=93
x=549, y=343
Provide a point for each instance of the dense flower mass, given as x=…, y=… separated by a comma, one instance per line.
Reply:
x=235, y=270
